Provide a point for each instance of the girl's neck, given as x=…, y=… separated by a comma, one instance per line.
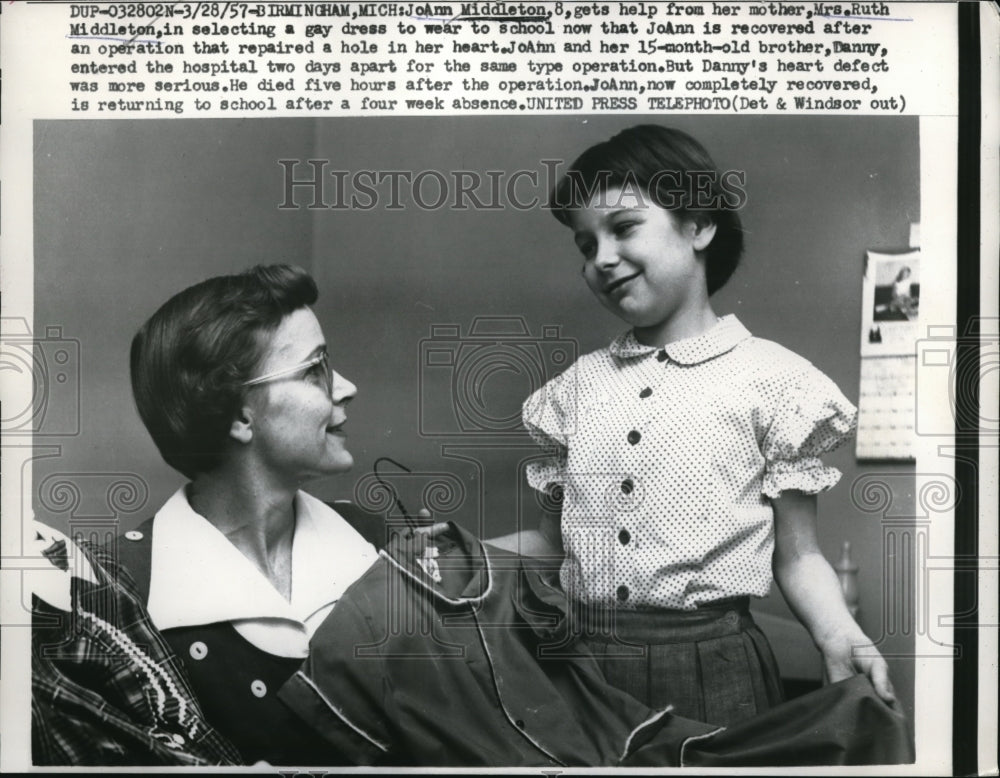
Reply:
x=684, y=324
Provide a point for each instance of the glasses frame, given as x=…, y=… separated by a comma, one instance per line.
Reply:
x=323, y=358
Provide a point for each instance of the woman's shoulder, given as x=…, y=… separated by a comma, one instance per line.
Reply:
x=132, y=554
x=369, y=525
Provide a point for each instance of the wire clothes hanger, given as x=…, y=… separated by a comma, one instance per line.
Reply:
x=426, y=560
x=411, y=522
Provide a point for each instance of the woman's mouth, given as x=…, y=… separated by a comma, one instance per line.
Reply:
x=336, y=429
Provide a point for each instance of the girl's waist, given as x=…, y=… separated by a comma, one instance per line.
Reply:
x=714, y=619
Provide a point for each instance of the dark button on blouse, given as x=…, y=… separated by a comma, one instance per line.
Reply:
x=661, y=355
x=622, y=592
x=627, y=486
x=624, y=537
x=645, y=393
x=634, y=437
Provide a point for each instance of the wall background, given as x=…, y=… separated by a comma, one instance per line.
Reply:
x=129, y=212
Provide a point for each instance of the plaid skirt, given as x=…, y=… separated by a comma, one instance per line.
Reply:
x=712, y=664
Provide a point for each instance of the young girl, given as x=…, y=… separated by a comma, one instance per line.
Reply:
x=686, y=451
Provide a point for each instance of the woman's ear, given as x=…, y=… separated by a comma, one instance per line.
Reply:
x=241, y=428
x=703, y=231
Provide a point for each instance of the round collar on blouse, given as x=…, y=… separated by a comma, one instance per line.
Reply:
x=727, y=333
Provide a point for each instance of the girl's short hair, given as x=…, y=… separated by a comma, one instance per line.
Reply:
x=675, y=172
x=190, y=359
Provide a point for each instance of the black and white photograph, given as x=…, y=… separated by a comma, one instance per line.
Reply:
x=482, y=442
x=891, y=299
x=427, y=315
x=897, y=292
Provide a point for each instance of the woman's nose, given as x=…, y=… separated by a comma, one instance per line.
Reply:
x=343, y=390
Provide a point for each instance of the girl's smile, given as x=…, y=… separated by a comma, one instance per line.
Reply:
x=619, y=282
x=645, y=264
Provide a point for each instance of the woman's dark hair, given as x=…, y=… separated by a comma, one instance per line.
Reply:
x=189, y=361
x=676, y=173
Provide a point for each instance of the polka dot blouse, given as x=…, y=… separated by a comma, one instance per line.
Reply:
x=667, y=457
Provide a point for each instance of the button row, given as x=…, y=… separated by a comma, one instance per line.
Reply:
x=199, y=651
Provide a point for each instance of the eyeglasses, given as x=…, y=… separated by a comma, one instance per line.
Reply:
x=321, y=361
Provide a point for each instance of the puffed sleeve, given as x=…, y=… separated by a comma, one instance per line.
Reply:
x=549, y=415
x=812, y=417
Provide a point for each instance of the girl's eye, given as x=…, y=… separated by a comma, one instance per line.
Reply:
x=624, y=228
x=587, y=249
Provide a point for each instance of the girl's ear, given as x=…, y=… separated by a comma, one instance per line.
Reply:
x=241, y=429
x=703, y=231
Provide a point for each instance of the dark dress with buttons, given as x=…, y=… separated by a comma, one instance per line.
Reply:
x=236, y=682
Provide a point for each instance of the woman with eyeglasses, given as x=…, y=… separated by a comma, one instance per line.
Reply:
x=232, y=379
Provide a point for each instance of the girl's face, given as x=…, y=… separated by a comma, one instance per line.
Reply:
x=643, y=263
x=298, y=419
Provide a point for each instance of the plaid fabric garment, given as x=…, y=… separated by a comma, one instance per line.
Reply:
x=106, y=688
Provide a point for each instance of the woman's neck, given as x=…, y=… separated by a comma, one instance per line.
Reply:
x=259, y=522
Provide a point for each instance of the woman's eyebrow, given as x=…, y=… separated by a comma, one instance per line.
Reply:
x=320, y=349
